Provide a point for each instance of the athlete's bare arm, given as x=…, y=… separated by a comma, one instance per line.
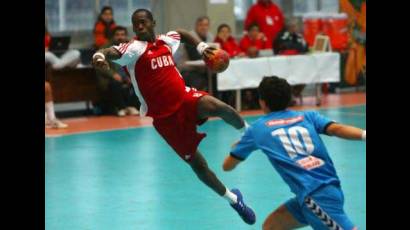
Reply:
x=345, y=131
x=186, y=37
x=109, y=53
x=230, y=162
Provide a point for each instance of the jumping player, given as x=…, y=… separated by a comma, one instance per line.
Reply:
x=175, y=108
x=291, y=141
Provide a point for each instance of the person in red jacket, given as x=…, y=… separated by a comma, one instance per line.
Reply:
x=269, y=18
x=227, y=42
x=103, y=28
x=253, y=41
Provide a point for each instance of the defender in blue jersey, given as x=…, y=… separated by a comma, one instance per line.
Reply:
x=291, y=141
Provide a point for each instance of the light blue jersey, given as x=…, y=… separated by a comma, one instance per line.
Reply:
x=291, y=141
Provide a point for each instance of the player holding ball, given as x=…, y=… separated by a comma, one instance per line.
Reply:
x=175, y=108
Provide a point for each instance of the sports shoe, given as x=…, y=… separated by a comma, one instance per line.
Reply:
x=56, y=124
x=244, y=211
x=121, y=112
x=132, y=111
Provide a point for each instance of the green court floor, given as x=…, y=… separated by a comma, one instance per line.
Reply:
x=131, y=179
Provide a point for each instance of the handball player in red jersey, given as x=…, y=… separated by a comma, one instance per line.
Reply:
x=175, y=108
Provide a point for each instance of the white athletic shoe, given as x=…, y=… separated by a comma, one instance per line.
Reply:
x=121, y=112
x=56, y=124
x=132, y=111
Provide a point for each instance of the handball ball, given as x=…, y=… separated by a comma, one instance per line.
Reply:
x=218, y=62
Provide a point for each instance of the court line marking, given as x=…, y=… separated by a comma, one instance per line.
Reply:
x=51, y=136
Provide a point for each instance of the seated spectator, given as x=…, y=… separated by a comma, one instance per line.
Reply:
x=116, y=89
x=202, y=33
x=268, y=16
x=250, y=99
x=103, y=28
x=290, y=42
x=253, y=41
x=196, y=76
x=70, y=58
x=50, y=118
x=227, y=42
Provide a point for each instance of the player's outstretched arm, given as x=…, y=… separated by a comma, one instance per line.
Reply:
x=230, y=162
x=202, y=47
x=346, y=132
x=101, y=56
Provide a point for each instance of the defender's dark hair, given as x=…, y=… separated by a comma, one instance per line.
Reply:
x=276, y=92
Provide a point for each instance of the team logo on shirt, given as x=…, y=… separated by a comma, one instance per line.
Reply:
x=310, y=162
x=161, y=61
x=284, y=121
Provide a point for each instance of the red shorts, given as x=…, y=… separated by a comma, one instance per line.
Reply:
x=179, y=129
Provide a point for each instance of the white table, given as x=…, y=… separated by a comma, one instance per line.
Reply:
x=299, y=69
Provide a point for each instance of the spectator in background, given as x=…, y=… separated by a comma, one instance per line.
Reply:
x=70, y=58
x=117, y=92
x=268, y=16
x=50, y=118
x=103, y=28
x=202, y=33
x=290, y=42
x=227, y=42
x=252, y=42
x=197, y=77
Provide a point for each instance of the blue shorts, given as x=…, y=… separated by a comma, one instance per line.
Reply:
x=323, y=209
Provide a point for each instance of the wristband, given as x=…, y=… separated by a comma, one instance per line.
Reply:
x=99, y=54
x=201, y=47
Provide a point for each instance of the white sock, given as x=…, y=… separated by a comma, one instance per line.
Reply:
x=50, y=110
x=230, y=197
